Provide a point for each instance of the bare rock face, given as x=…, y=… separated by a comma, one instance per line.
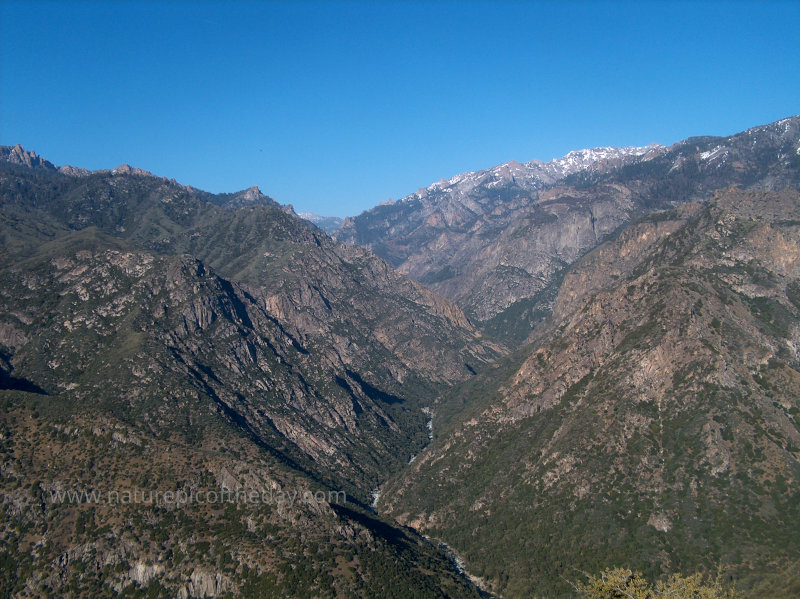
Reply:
x=74, y=171
x=127, y=169
x=17, y=155
x=494, y=241
x=205, y=584
x=142, y=573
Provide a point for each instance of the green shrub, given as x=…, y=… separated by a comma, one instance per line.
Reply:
x=621, y=583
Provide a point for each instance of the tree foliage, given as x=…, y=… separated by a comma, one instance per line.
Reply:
x=621, y=583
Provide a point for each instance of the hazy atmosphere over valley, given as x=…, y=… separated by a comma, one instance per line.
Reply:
x=400, y=299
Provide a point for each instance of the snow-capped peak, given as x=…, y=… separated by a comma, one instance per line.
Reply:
x=535, y=174
x=578, y=160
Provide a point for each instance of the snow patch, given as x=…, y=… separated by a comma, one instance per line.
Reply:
x=711, y=154
x=533, y=174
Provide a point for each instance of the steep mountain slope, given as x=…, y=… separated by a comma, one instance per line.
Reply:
x=95, y=507
x=360, y=332
x=654, y=422
x=494, y=241
x=216, y=331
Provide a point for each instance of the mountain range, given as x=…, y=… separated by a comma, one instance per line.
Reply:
x=497, y=241
x=215, y=330
x=481, y=389
x=654, y=422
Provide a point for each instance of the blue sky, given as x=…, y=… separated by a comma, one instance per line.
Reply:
x=336, y=106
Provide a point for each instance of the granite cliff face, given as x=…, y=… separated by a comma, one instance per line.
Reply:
x=495, y=241
x=653, y=421
x=19, y=156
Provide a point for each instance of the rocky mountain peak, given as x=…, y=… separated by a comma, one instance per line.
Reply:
x=28, y=158
x=787, y=128
x=74, y=171
x=18, y=155
x=535, y=174
x=126, y=169
x=252, y=192
x=251, y=196
x=603, y=158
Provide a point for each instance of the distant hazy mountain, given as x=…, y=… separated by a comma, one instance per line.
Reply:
x=327, y=223
x=495, y=241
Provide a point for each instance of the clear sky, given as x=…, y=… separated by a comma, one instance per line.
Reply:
x=336, y=106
